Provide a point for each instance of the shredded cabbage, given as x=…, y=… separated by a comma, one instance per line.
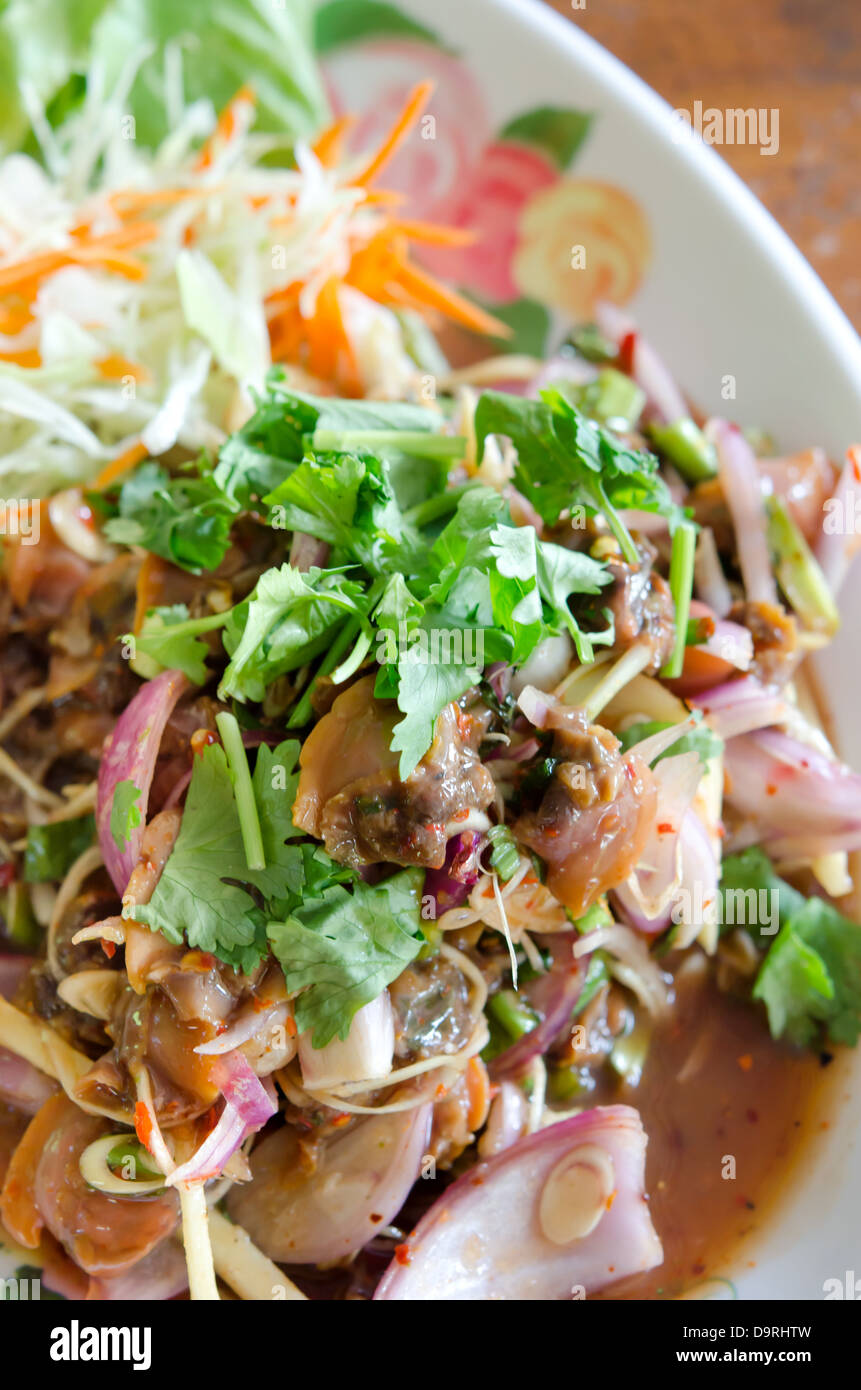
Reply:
x=152, y=324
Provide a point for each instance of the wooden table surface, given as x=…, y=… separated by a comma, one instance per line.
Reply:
x=802, y=57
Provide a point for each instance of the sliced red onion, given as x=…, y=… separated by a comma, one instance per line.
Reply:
x=648, y=369
x=248, y=1104
x=841, y=533
x=130, y=756
x=740, y=484
x=697, y=900
x=521, y=754
x=359, y=1185
x=547, y=664
x=804, y=803
x=366, y=1054
x=160, y=1275
x=498, y=676
x=252, y=1098
x=450, y=886
x=176, y=792
x=557, y=1215
x=535, y=705
x=307, y=551
x=509, y=1113
x=12, y=971
x=730, y=642
x=709, y=579
x=740, y=706
x=22, y=1085
x=555, y=369
x=696, y=894
x=803, y=481
x=250, y=1022
x=554, y=997
x=650, y=889
x=647, y=523
x=627, y=908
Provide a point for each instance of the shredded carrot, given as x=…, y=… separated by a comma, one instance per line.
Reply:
x=25, y=357
x=130, y=267
x=383, y=197
x=378, y=249
x=120, y=465
x=143, y=1125
x=236, y=113
x=330, y=354
x=478, y=1090
x=23, y=276
x=377, y=264
x=425, y=290
x=286, y=334
x=14, y=317
x=114, y=368
x=23, y=273
x=125, y=238
x=416, y=103
x=329, y=145
x=130, y=202
x=434, y=235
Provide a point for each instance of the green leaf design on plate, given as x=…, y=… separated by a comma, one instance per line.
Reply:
x=529, y=322
x=557, y=131
x=356, y=21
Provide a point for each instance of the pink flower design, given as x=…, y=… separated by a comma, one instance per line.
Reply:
x=528, y=219
x=438, y=154
x=489, y=203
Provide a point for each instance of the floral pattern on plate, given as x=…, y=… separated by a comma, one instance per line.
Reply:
x=546, y=242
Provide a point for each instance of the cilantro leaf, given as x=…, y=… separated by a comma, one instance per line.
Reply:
x=173, y=640
x=289, y=619
x=257, y=457
x=424, y=690
x=52, y=849
x=342, y=949
x=752, y=869
x=346, y=500
x=496, y=584
x=561, y=574
x=810, y=977
x=200, y=897
x=465, y=542
x=810, y=980
x=287, y=424
x=126, y=814
x=514, y=592
x=185, y=519
x=567, y=460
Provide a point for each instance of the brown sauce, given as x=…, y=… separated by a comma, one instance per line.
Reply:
x=718, y=1096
